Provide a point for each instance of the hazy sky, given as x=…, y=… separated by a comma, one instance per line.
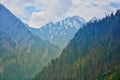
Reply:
x=39, y=12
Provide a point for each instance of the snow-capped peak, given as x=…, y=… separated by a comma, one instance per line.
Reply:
x=93, y=19
x=61, y=32
x=74, y=21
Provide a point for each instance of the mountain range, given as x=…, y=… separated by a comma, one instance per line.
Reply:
x=22, y=54
x=24, y=51
x=93, y=53
x=60, y=33
x=70, y=49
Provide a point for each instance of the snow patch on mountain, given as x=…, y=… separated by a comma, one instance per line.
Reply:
x=61, y=32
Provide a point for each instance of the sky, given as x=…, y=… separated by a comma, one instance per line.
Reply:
x=37, y=13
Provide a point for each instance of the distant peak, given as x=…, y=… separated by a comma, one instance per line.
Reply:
x=76, y=17
x=93, y=19
x=51, y=23
x=75, y=21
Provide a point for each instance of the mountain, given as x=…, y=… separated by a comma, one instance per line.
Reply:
x=93, y=19
x=93, y=54
x=61, y=32
x=22, y=54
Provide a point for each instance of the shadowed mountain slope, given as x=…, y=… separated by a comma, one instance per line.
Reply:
x=22, y=54
x=93, y=54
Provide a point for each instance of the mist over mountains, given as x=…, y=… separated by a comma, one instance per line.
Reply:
x=93, y=54
x=71, y=49
x=23, y=52
x=60, y=33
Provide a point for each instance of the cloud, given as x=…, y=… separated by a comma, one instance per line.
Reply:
x=51, y=10
x=90, y=8
x=47, y=10
x=36, y=13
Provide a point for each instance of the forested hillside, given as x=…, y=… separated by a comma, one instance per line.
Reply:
x=93, y=54
x=22, y=54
